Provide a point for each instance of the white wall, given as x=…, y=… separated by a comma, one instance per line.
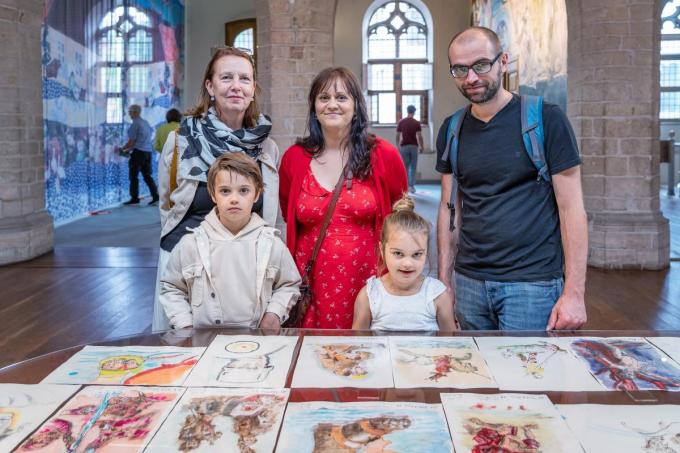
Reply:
x=449, y=17
x=205, y=21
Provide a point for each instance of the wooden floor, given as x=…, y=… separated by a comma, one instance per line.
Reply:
x=79, y=295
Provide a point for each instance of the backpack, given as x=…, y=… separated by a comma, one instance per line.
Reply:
x=532, y=135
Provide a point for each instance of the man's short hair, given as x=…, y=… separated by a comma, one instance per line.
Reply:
x=136, y=108
x=488, y=34
x=239, y=163
x=411, y=109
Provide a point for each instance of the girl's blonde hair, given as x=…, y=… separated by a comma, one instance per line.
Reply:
x=203, y=102
x=404, y=217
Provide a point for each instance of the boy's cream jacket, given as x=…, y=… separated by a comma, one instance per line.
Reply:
x=194, y=291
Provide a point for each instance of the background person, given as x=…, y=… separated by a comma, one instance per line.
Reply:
x=172, y=118
x=410, y=141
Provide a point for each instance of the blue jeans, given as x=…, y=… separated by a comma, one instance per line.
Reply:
x=409, y=154
x=490, y=305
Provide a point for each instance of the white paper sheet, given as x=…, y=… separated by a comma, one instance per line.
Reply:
x=516, y=422
x=127, y=365
x=24, y=407
x=624, y=429
x=210, y=420
x=364, y=427
x=438, y=362
x=245, y=361
x=669, y=345
x=536, y=364
x=344, y=362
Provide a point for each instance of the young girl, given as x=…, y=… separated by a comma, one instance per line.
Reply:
x=404, y=298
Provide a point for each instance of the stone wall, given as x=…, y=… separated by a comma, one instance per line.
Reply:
x=613, y=84
x=26, y=229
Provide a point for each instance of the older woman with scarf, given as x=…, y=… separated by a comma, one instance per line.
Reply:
x=226, y=120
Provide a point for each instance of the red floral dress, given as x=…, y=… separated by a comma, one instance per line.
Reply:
x=347, y=257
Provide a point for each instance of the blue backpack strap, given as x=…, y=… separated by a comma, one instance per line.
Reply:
x=451, y=154
x=533, y=135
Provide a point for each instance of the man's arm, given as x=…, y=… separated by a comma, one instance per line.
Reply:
x=398, y=142
x=419, y=138
x=570, y=310
x=447, y=240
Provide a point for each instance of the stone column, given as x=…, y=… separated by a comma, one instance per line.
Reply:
x=613, y=83
x=26, y=229
x=294, y=42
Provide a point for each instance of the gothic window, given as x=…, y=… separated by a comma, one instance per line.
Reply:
x=397, y=56
x=242, y=34
x=124, y=40
x=669, y=108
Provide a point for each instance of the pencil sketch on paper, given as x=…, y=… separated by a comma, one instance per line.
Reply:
x=127, y=365
x=24, y=407
x=213, y=419
x=628, y=364
x=105, y=419
x=245, y=361
x=438, y=362
x=324, y=427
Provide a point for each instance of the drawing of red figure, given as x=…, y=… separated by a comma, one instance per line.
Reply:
x=502, y=437
x=619, y=362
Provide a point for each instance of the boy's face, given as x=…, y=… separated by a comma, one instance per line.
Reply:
x=234, y=196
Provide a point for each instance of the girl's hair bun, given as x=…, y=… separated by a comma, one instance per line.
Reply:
x=404, y=204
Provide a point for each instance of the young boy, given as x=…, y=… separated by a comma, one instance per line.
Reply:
x=233, y=270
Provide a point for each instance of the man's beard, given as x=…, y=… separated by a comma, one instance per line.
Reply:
x=490, y=91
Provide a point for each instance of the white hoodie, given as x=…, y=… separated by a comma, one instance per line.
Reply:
x=216, y=278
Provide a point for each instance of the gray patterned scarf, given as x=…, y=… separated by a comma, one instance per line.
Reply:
x=208, y=138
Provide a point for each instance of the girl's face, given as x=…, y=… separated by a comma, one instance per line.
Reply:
x=405, y=254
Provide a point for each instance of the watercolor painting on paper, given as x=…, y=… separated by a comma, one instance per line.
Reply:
x=535, y=364
x=245, y=361
x=438, y=362
x=344, y=362
x=669, y=345
x=324, y=427
x=506, y=422
x=624, y=428
x=24, y=407
x=222, y=420
x=628, y=363
x=127, y=365
x=105, y=419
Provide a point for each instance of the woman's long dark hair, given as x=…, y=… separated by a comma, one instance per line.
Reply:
x=358, y=141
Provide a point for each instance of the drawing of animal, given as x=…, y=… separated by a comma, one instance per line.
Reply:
x=352, y=436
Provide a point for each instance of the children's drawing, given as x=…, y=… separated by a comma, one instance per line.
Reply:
x=127, y=365
x=24, y=407
x=103, y=419
x=507, y=423
x=624, y=429
x=535, y=363
x=669, y=345
x=438, y=362
x=343, y=362
x=212, y=419
x=245, y=361
x=628, y=363
x=323, y=427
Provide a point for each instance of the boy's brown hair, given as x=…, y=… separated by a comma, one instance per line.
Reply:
x=238, y=163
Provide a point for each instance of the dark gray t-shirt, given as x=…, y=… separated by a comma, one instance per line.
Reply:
x=510, y=224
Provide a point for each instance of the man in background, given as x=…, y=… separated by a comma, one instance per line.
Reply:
x=139, y=148
x=410, y=141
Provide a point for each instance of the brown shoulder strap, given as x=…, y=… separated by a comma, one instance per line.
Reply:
x=173, y=166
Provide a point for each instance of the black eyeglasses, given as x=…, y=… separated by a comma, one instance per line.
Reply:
x=480, y=67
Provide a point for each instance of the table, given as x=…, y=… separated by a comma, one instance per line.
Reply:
x=32, y=371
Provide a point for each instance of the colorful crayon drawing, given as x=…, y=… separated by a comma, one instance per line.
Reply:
x=506, y=423
x=624, y=428
x=212, y=419
x=438, y=362
x=628, y=364
x=102, y=419
x=245, y=361
x=24, y=407
x=130, y=365
x=343, y=362
x=322, y=427
x=535, y=363
x=669, y=345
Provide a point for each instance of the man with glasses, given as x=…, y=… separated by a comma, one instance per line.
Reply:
x=139, y=149
x=521, y=240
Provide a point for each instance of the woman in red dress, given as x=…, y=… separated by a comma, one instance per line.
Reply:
x=338, y=145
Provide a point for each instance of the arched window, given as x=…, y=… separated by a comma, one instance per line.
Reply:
x=242, y=34
x=669, y=108
x=124, y=41
x=397, y=54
